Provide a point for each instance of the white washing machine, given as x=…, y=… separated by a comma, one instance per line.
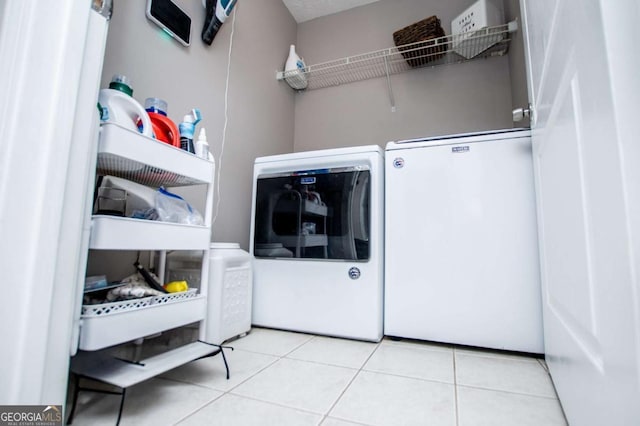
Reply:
x=461, y=253
x=317, y=237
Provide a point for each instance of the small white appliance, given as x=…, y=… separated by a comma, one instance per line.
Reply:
x=461, y=262
x=317, y=238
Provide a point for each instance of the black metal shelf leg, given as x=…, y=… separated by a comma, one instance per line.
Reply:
x=76, y=390
x=124, y=391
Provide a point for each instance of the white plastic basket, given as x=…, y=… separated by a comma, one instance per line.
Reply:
x=174, y=297
x=104, y=309
x=480, y=15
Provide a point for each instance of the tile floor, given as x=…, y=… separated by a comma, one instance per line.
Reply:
x=282, y=378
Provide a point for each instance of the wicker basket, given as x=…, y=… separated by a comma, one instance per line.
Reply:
x=423, y=33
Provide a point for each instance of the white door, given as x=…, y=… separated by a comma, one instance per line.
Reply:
x=50, y=71
x=583, y=67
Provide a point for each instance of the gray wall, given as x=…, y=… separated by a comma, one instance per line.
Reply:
x=430, y=102
x=517, y=64
x=260, y=109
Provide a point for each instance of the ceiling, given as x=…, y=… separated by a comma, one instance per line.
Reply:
x=305, y=10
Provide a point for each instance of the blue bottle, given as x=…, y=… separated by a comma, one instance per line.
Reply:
x=188, y=128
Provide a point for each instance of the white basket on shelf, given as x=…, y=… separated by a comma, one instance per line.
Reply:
x=103, y=309
x=470, y=23
x=174, y=297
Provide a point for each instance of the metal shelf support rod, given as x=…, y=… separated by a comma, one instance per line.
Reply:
x=391, y=98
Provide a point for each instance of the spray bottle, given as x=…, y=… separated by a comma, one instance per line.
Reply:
x=202, y=146
x=188, y=128
x=217, y=13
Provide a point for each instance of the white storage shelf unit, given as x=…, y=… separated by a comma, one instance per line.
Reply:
x=132, y=156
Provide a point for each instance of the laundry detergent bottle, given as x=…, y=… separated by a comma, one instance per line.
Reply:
x=118, y=106
x=164, y=129
x=294, y=70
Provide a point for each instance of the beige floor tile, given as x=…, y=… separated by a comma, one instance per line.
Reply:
x=333, y=351
x=239, y=411
x=510, y=375
x=330, y=421
x=411, y=362
x=298, y=384
x=480, y=407
x=271, y=342
x=381, y=399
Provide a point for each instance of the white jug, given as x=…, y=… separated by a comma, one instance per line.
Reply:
x=122, y=109
x=294, y=70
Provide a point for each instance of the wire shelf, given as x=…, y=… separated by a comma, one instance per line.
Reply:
x=451, y=49
x=110, y=164
x=111, y=308
x=130, y=155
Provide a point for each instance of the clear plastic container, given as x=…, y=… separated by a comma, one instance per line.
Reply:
x=184, y=266
x=230, y=290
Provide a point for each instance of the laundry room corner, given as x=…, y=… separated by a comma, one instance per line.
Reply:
x=445, y=100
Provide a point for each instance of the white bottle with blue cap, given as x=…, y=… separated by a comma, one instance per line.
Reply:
x=188, y=128
x=202, y=146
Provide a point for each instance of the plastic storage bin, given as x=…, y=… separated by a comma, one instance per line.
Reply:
x=184, y=266
x=480, y=15
x=229, y=293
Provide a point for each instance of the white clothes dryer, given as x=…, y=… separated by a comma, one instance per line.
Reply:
x=317, y=238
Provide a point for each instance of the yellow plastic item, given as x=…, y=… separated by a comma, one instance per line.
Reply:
x=176, y=286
